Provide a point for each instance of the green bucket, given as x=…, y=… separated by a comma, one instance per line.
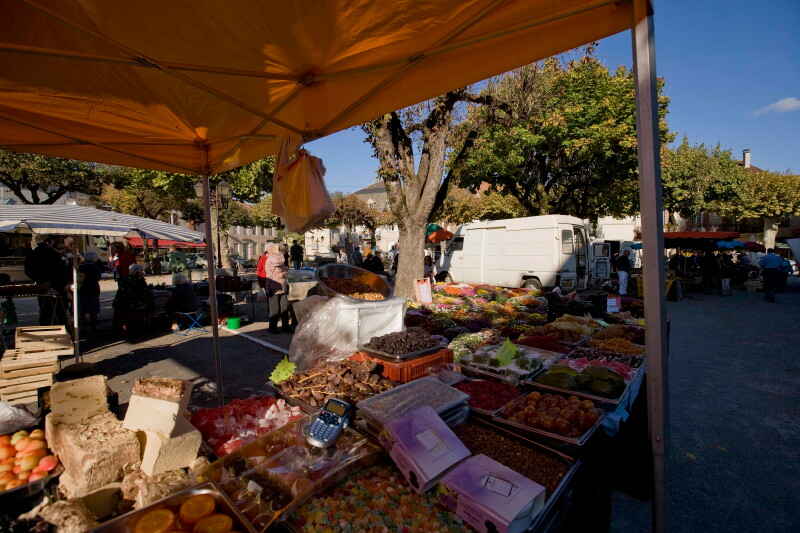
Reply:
x=234, y=322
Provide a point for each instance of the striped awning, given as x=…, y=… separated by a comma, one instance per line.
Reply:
x=79, y=220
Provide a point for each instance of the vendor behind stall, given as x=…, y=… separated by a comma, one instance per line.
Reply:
x=89, y=290
x=46, y=266
x=133, y=302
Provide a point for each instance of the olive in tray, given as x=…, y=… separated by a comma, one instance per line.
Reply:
x=402, y=342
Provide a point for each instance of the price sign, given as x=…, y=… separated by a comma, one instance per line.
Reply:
x=614, y=304
x=423, y=291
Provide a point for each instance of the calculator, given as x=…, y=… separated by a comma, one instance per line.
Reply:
x=326, y=427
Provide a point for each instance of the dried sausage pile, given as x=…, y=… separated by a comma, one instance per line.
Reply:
x=349, y=380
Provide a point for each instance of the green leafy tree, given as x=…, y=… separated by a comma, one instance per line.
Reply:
x=769, y=196
x=39, y=179
x=262, y=214
x=251, y=182
x=462, y=207
x=560, y=138
x=697, y=179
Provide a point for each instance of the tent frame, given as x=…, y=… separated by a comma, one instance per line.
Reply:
x=654, y=274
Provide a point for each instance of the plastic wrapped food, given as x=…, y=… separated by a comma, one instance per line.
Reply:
x=280, y=470
x=405, y=398
x=377, y=499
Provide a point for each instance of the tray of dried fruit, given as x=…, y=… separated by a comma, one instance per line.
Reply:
x=353, y=283
x=203, y=508
x=487, y=396
x=26, y=465
x=603, y=381
x=349, y=380
x=552, y=469
x=404, y=345
x=279, y=471
x=563, y=419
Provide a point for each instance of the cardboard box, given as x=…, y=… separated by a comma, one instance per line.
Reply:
x=491, y=497
x=422, y=446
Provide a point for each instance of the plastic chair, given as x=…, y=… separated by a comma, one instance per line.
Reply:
x=194, y=320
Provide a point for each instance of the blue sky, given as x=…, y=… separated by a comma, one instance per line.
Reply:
x=732, y=71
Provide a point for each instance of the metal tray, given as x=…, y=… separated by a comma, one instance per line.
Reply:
x=570, y=441
x=401, y=357
x=609, y=403
x=125, y=523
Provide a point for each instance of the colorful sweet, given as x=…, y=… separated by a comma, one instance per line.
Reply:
x=567, y=416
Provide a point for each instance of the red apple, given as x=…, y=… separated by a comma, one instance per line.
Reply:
x=36, y=476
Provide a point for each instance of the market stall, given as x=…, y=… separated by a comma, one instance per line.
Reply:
x=71, y=68
x=482, y=367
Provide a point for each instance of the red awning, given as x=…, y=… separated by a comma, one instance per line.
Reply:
x=136, y=242
x=716, y=235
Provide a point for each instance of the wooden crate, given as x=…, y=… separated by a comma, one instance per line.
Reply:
x=17, y=364
x=53, y=340
x=23, y=389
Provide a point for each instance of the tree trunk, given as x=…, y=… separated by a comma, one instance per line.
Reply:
x=412, y=257
x=771, y=227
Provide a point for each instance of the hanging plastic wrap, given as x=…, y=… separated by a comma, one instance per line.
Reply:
x=333, y=330
x=299, y=196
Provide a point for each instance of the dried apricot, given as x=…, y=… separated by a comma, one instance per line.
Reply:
x=216, y=523
x=197, y=507
x=156, y=521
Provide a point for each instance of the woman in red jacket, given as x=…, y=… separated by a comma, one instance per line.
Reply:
x=261, y=270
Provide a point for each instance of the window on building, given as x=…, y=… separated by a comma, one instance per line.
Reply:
x=567, y=246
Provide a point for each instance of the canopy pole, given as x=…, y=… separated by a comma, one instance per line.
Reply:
x=212, y=289
x=76, y=340
x=650, y=198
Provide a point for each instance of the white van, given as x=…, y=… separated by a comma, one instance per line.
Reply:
x=535, y=252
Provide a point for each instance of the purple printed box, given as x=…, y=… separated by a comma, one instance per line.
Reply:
x=491, y=497
x=422, y=446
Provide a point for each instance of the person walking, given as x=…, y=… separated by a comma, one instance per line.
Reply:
x=623, y=271
x=771, y=265
x=125, y=259
x=296, y=254
x=277, y=291
x=372, y=262
x=428, y=268
x=261, y=269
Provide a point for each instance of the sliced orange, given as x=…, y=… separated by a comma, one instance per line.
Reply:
x=197, y=507
x=216, y=523
x=156, y=521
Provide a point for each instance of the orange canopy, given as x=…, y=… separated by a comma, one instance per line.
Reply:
x=202, y=86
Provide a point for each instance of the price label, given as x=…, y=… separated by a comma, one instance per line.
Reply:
x=498, y=485
x=424, y=291
x=614, y=304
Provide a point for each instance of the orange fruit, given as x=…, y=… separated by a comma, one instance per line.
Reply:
x=197, y=507
x=216, y=523
x=155, y=521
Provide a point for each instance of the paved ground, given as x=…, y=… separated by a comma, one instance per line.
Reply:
x=734, y=389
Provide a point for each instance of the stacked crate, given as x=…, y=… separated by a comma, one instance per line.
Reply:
x=32, y=363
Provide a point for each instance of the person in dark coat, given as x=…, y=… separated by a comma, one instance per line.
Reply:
x=89, y=273
x=46, y=266
x=372, y=262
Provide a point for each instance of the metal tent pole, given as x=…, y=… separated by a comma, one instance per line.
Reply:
x=644, y=67
x=75, y=317
x=212, y=289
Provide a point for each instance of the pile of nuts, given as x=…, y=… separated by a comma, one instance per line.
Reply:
x=402, y=342
x=353, y=289
x=538, y=466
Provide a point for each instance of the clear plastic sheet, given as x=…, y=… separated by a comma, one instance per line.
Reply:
x=332, y=331
x=14, y=418
x=405, y=398
x=280, y=470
